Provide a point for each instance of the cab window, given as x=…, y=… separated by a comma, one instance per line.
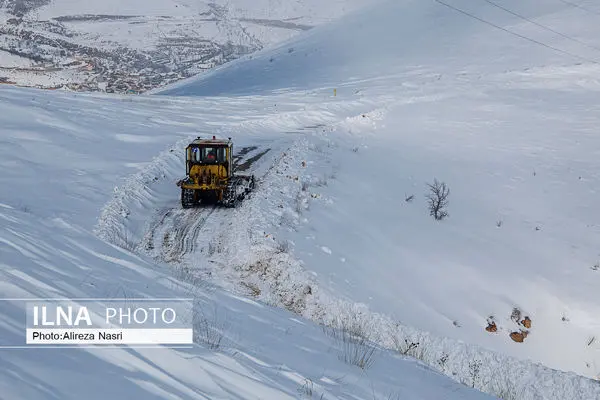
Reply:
x=208, y=154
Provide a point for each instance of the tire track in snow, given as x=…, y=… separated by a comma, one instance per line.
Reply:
x=149, y=239
x=186, y=226
x=191, y=238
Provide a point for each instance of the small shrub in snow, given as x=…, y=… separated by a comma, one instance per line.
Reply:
x=24, y=208
x=410, y=347
x=596, y=266
x=354, y=336
x=208, y=329
x=516, y=315
x=409, y=199
x=187, y=275
x=121, y=239
x=443, y=361
x=437, y=199
x=358, y=351
x=473, y=378
x=307, y=389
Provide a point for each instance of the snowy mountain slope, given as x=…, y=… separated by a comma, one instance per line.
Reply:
x=425, y=41
x=137, y=45
x=328, y=234
x=62, y=155
x=503, y=112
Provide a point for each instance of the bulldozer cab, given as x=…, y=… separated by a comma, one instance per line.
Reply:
x=210, y=176
x=214, y=151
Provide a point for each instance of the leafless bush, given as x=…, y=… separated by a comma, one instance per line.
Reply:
x=473, y=378
x=516, y=315
x=307, y=389
x=410, y=347
x=409, y=199
x=437, y=199
x=443, y=361
x=121, y=238
x=24, y=208
x=127, y=243
x=354, y=336
x=358, y=351
x=188, y=275
x=208, y=329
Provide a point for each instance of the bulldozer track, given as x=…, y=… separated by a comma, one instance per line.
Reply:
x=150, y=236
x=187, y=227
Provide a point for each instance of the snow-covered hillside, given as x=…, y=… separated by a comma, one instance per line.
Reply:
x=344, y=127
x=492, y=98
x=62, y=156
x=136, y=45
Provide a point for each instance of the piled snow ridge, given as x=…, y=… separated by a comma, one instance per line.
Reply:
x=134, y=192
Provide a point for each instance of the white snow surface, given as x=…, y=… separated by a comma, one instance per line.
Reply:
x=507, y=123
x=61, y=157
x=268, y=21
x=422, y=91
x=8, y=60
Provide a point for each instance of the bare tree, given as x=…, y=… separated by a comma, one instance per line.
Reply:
x=437, y=199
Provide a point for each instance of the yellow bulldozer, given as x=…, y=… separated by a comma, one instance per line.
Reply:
x=210, y=175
